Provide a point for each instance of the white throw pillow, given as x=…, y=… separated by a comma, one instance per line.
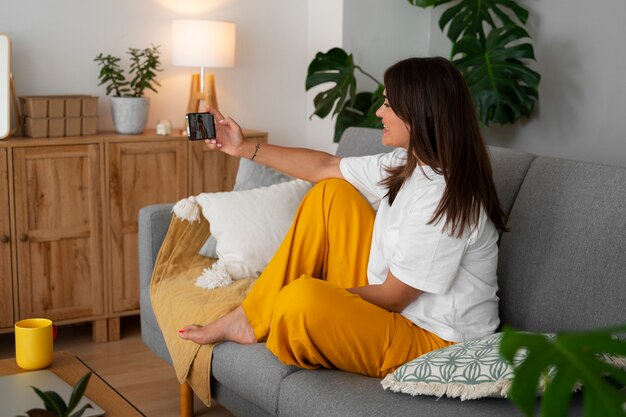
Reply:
x=250, y=225
x=249, y=175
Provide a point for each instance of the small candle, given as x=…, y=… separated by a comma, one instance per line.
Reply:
x=164, y=128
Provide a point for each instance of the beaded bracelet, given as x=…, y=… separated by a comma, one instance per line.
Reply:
x=256, y=149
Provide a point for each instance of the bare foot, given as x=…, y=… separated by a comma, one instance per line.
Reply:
x=234, y=327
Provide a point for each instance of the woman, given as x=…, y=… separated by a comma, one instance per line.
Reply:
x=366, y=291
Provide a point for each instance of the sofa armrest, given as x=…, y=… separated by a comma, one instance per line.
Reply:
x=153, y=224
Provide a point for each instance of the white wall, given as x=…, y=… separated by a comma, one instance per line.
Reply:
x=581, y=57
x=324, y=31
x=379, y=34
x=55, y=41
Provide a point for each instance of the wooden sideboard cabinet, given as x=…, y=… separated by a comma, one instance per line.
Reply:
x=141, y=172
x=6, y=280
x=68, y=219
x=58, y=224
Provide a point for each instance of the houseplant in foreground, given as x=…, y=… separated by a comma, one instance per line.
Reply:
x=129, y=106
x=594, y=359
x=56, y=407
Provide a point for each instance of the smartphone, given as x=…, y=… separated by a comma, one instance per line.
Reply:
x=200, y=126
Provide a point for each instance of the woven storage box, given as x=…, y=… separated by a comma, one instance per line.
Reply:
x=36, y=127
x=35, y=106
x=90, y=124
x=53, y=116
x=56, y=127
x=72, y=106
x=72, y=126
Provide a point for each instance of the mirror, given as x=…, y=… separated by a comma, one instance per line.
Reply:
x=5, y=91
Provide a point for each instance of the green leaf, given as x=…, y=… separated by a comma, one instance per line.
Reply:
x=52, y=401
x=334, y=66
x=567, y=359
x=39, y=412
x=428, y=3
x=502, y=87
x=78, y=392
x=81, y=411
x=530, y=370
x=558, y=393
x=361, y=113
x=471, y=17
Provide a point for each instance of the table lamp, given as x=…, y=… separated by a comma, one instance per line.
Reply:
x=203, y=43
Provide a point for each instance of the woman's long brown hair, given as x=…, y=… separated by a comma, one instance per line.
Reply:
x=431, y=97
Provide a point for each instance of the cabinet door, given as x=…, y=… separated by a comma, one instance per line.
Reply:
x=58, y=216
x=6, y=278
x=140, y=174
x=214, y=171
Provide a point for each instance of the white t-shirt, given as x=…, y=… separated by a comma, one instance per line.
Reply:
x=456, y=275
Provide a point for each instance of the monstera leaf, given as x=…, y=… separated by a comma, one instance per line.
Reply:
x=334, y=66
x=502, y=87
x=468, y=18
x=565, y=361
x=361, y=113
x=352, y=109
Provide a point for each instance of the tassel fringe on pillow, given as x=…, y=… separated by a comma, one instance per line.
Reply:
x=187, y=209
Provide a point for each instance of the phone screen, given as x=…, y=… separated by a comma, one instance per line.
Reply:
x=200, y=126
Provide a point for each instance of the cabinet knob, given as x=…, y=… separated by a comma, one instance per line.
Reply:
x=23, y=237
x=4, y=239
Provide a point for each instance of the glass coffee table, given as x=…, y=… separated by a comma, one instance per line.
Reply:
x=70, y=369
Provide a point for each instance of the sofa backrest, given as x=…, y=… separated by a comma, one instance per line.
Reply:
x=562, y=266
x=360, y=141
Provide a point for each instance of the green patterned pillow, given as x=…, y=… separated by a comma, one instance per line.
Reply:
x=467, y=370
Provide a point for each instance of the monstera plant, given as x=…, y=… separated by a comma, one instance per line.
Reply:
x=351, y=108
x=593, y=359
x=490, y=47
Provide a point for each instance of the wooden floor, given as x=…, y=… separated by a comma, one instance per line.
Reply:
x=138, y=374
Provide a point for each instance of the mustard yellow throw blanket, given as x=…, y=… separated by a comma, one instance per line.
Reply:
x=177, y=301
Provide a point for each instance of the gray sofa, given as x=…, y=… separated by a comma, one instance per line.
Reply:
x=562, y=266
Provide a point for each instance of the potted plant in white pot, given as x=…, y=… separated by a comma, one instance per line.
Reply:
x=129, y=106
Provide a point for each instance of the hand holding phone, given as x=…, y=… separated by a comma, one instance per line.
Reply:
x=200, y=126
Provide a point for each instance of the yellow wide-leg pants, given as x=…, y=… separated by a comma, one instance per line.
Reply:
x=301, y=308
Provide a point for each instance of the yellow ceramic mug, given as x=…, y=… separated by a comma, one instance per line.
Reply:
x=33, y=343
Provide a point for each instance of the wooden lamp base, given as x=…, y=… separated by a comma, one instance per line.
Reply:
x=198, y=99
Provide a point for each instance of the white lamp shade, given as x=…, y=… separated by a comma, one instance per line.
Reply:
x=203, y=43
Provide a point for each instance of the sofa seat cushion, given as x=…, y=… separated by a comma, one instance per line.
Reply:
x=250, y=371
x=330, y=393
